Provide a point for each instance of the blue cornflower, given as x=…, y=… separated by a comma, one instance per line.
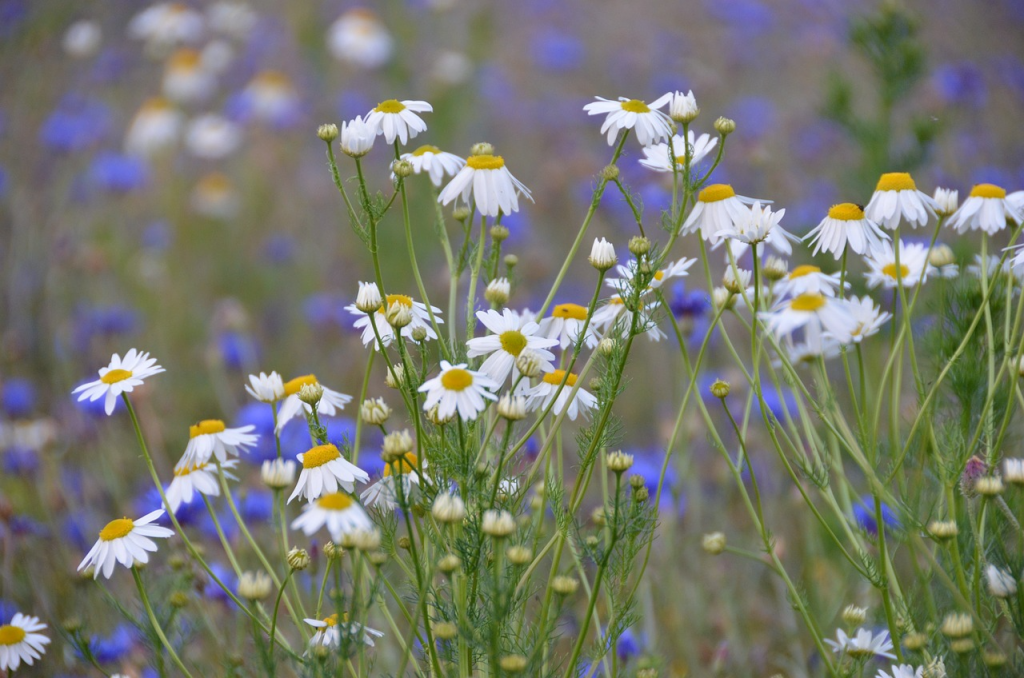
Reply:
x=257, y=506
x=554, y=50
x=76, y=124
x=20, y=461
x=688, y=304
x=18, y=397
x=279, y=248
x=115, y=646
x=630, y=645
x=960, y=83
x=226, y=576
x=864, y=514
x=238, y=350
x=118, y=173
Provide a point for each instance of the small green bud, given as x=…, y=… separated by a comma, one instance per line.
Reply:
x=328, y=132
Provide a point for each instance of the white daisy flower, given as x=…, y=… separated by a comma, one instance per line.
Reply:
x=863, y=644
x=384, y=492
x=356, y=137
x=757, y=227
x=331, y=402
x=676, y=269
x=339, y=511
x=212, y=136
x=512, y=334
x=946, y=201
x=492, y=186
x=325, y=470
x=1016, y=262
x=845, y=226
x=82, y=39
x=211, y=438
x=807, y=279
x=565, y=324
x=120, y=376
x=156, y=126
x=1016, y=199
x=901, y=671
x=271, y=97
x=329, y=631
x=20, y=641
x=1013, y=267
x=683, y=107
x=808, y=309
x=541, y=395
x=360, y=38
x=186, y=78
x=986, y=209
x=867, y=319
x=233, y=18
x=816, y=344
x=457, y=389
x=896, y=197
x=434, y=162
x=166, y=24
x=650, y=124
x=192, y=478
x=913, y=268
x=656, y=157
x=606, y=317
x=717, y=209
x=215, y=196
x=125, y=541
x=398, y=119
x=420, y=319
x=267, y=388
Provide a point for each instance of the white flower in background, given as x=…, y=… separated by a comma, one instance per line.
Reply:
x=356, y=137
x=82, y=39
x=331, y=402
x=1015, y=263
x=277, y=473
x=650, y=124
x=1011, y=268
x=397, y=119
x=190, y=479
x=913, y=266
x=683, y=107
x=867, y=318
x=1016, y=199
x=566, y=323
x=946, y=201
x=512, y=334
x=452, y=68
x=217, y=55
x=541, y=395
x=329, y=631
x=896, y=198
x=901, y=671
x=358, y=37
x=267, y=388
x=1001, y=583
x=757, y=227
x=324, y=470
x=212, y=136
x=155, y=127
x=20, y=641
x=434, y=162
x=816, y=344
x=845, y=226
x=606, y=317
x=211, y=438
x=457, y=389
x=270, y=96
x=384, y=492
x=339, y=511
x=656, y=157
x=1013, y=469
x=819, y=310
x=120, y=376
x=863, y=644
x=944, y=261
x=491, y=185
x=420, y=319
x=986, y=209
x=718, y=208
x=675, y=269
x=166, y=24
x=215, y=197
x=231, y=18
x=807, y=279
x=125, y=541
x=187, y=79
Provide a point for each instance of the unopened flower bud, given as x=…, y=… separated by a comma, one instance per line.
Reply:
x=989, y=486
x=254, y=585
x=377, y=558
x=636, y=481
x=327, y=132
x=398, y=315
x=1001, y=583
x=481, y=148
x=449, y=563
x=519, y=555
x=311, y=393
x=278, y=474
x=498, y=524
x=448, y=509
x=639, y=245
x=597, y=516
x=713, y=543
x=936, y=668
x=564, y=585
x=641, y=494
x=683, y=109
x=993, y=659
x=957, y=625
x=606, y=347
x=511, y=261
x=943, y=529
x=499, y=233
x=374, y=411
x=395, y=376
x=368, y=299
x=602, y=254
x=445, y=630
x=366, y=540
x=513, y=663
x=1013, y=471
x=404, y=543
x=72, y=624
x=962, y=645
x=915, y=641
x=946, y=202
x=854, y=615
x=434, y=415
x=720, y=389
x=333, y=551
x=512, y=407
x=725, y=126
x=461, y=213
x=941, y=256
x=498, y=291
x=723, y=298
x=298, y=559
x=397, y=444
x=736, y=280
x=610, y=172
x=619, y=462
x=418, y=334
x=402, y=168
x=775, y=269
x=528, y=363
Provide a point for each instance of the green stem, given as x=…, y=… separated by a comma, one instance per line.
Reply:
x=156, y=624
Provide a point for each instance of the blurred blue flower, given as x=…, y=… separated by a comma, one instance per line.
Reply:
x=630, y=645
x=187, y=514
x=324, y=310
x=352, y=102
x=12, y=13
x=102, y=321
x=7, y=610
x=18, y=397
x=238, y=350
x=755, y=116
x=110, y=64
x=1011, y=72
x=519, y=226
x=864, y=514
x=77, y=532
x=553, y=50
x=208, y=528
x=157, y=236
x=78, y=122
x=26, y=526
x=3, y=183
x=257, y=506
x=20, y=461
x=118, y=173
x=992, y=175
x=279, y=248
x=961, y=83
x=778, y=405
x=212, y=590
x=688, y=304
x=94, y=408
x=115, y=646
x=647, y=464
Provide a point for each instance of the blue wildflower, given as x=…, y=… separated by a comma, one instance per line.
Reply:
x=118, y=173
x=553, y=50
x=76, y=124
x=18, y=397
x=961, y=83
x=157, y=236
x=20, y=461
x=226, y=576
x=115, y=646
x=238, y=350
x=257, y=506
x=864, y=514
x=630, y=645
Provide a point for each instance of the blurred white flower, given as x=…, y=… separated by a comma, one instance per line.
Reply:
x=360, y=38
x=82, y=39
x=231, y=18
x=913, y=266
x=212, y=136
x=863, y=644
x=187, y=79
x=215, y=197
x=155, y=127
x=165, y=25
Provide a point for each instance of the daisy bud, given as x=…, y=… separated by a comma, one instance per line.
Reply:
x=606, y=347
x=404, y=543
x=397, y=444
x=418, y=334
x=639, y=245
x=445, y=630
x=723, y=298
x=460, y=213
x=619, y=462
x=943, y=529
x=915, y=641
x=564, y=586
x=1020, y=366
x=298, y=559
x=528, y=364
x=499, y=233
x=333, y=551
x=321, y=652
x=278, y=474
x=957, y=625
x=498, y=291
x=366, y=540
x=512, y=407
x=1001, y=583
x=602, y=255
x=1013, y=471
x=72, y=624
x=946, y=201
x=854, y=615
x=435, y=418
x=481, y=148
x=511, y=261
x=936, y=669
x=377, y=558
x=368, y=300
x=311, y=393
x=775, y=269
x=993, y=659
x=610, y=172
x=962, y=645
x=720, y=389
x=989, y=486
x=636, y=481
x=254, y=585
x=513, y=663
x=725, y=126
x=395, y=376
x=328, y=132
x=683, y=107
x=356, y=138
x=597, y=516
x=448, y=509
x=941, y=255
x=178, y=599
x=498, y=524
x=374, y=411
x=402, y=168
x=648, y=672
x=398, y=315
x=641, y=494
x=736, y=280
x=713, y=543
x=519, y=555
x=449, y=563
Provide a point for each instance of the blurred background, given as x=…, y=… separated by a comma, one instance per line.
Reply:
x=162, y=186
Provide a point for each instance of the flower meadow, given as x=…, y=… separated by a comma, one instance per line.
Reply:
x=290, y=390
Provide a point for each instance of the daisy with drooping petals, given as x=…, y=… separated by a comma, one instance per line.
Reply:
x=867, y=318
x=650, y=124
x=817, y=309
x=120, y=376
x=901, y=671
x=988, y=209
x=212, y=136
x=329, y=631
x=331, y=402
x=606, y=317
x=896, y=198
x=845, y=225
x=420, y=319
x=757, y=227
x=457, y=389
x=541, y=395
x=512, y=334
x=434, y=162
x=20, y=641
x=125, y=541
x=717, y=209
x=339, y=511
x=492, y=186
x=325, y=470
x=656, y=157
x=211, y=438
x=863, y=644
x=267, y=388
x=186, y=78
x=190, y=479
x=807, y=279
x=913, y=266
x=384, y=492
x=397, y=119
x=156, y=126
x=676, y=269
x=565, y=324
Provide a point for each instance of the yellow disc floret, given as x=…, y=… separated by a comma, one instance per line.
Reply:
x=205, y=427
x=988, y=191
x=11, y=635
x=513, y=341
x=896, y=181
x=846, y=211
x=635, y=106
x=335, y=501
x=423, y=150
x=716, y=193
x=485, y=162
x=456, y=379
x=117, y=529
x=808, y=302
x=320, y=455
x=801, y=271
x=114, y=376
x=890, y=270
x=295, y=385
x=390, y=106
x=574, y=311
x=404, y=465
x=557, y=376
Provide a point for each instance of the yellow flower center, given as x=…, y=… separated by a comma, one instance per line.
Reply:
x=716, y=193
x=890, y=270
x=807, y=302
x=423, y=150
x=635, y=106
x=184, y=471
x=295, y=385
x=513, y=342
x=114, y=376
x=846, y=211
x=616, y=301
x=117, y=529
x=272, y=79
x=896, y=181
x=11, y=635
x=336, y=501
x=557, y=376
x=681, y=160
x=988, y=191
x=215, y=183
x=404, y=465
x=658, y=275
x=456, y=379
x=574, y=311
x=183, y=59
x=331, y=620
x=402, y=299
x=390, y=106
x=205, y=427
x=320, y=455
x=801, y=271
x=485, y=162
